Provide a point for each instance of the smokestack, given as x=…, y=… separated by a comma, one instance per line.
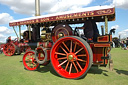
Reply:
x=37, y=7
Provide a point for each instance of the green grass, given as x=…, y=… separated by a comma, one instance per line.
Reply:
x=12, y=72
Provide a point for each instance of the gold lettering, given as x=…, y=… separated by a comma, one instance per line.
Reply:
x=88, y=13
x=47, y=19
x=79, y=14
x=61, y=17
x=33, y=21
x=109, y=11
x=84, y=14
x=104, y=11
x=18, y=23
x=98, y=12
x=65, y=17
x=91, y=13
x=68, y=16
x=57, y=18
x=75, y=15
x=44, y=19
x=30, y=21
x=41, y=20
x=21, y=23
x=24, y=22
x=37, y=20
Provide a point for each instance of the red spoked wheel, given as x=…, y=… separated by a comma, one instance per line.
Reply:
x=9, y=49
x=29, y=60
x=71, y=57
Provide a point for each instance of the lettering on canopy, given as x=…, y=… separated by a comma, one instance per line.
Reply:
x=65, y=17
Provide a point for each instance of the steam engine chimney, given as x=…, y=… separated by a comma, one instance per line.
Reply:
x=36, y=28
x=37, y=7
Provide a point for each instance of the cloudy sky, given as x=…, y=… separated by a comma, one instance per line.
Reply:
x=19, y=9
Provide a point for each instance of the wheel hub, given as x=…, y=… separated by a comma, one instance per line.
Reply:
x=60, y=35
x=31, y=60
x=70, y=57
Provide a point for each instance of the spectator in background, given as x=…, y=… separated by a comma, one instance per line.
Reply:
x=127, y=42
x=113, y=44
x=123, y=42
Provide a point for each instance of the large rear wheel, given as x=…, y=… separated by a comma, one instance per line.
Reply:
x=71, y=57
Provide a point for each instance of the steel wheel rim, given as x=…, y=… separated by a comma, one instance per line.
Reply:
x=29, y=61
x=9, y=49
x=41, y=55
x=70, y=60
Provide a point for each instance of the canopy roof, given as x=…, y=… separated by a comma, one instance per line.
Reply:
x=76, y=16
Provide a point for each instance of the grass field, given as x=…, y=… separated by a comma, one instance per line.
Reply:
x=12, y=72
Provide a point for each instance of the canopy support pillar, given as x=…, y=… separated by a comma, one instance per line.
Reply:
x=15, y=32
x=19, y=32
x=106, y=25
x=29, y=28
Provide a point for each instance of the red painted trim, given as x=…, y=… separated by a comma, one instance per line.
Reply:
x=101, y=45
x=103, y=38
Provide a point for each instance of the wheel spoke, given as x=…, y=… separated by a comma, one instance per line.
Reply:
x=60, y=53
x=70, y=69
x=71, y=47
x=62, y=63
x=27, y=60
x=66, y=66
x=65, y=46
x=81, y=60
x=79, y=50
x=34, y=63
x=81, y=55
x=79, y=65
x=62, y=58
x=11, y=53
x=32, y=56
x=75, y=46
x=33, y=66
x=75, y=67
x=29, y=65
x=28, y=56
x=63, y=49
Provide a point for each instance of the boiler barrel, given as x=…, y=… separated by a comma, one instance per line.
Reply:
x=33, y=45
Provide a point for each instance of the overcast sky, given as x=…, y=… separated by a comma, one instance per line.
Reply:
x=19, y=9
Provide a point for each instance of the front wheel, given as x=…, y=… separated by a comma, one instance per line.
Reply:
x=71, y=57
x=29, y=60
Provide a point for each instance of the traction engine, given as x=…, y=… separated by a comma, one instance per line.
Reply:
x=71, y=54
x=14, y=47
